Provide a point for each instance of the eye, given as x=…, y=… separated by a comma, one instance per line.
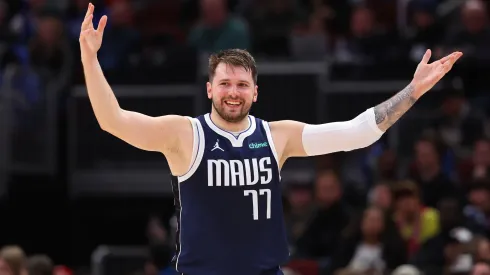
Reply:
x=223, y=84
x=243, y=85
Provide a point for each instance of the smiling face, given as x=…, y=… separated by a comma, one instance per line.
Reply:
x=231, y=86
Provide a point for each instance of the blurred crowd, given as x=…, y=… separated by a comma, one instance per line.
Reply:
x=428, y=211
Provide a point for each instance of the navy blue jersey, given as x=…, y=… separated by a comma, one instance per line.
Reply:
x=229, y=204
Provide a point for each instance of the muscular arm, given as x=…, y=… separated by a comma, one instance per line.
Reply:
x=296, y=139
x=388, y=112
x=144, y=132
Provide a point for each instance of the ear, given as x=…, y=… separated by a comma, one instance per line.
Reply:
x=256, y=91
x=209, y=90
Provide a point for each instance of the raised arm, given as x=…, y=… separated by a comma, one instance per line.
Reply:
x=296, y=139
x=145, y=132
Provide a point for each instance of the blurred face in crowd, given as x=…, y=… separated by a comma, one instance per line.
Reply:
x=481, y=269
x=387, y=164
x=382, y=196
x=481, y=153
x=480, y=198
x=232, y=92
x=372, y=222
x=4, y=268
x=214, y=12
x=49, y=30
x=407, y=205
x=474, y=16
x=299, y=198
x=422, y=19
x=362, y=22
x=426, y=155
x=121, y=13
x=483, y=250
x=327, y=189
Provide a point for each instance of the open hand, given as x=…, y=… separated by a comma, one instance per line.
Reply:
x=91, y=38
x=427, y=75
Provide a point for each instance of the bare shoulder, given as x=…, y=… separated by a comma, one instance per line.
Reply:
x=287, y=137
x=180, y=127
x=286, y=126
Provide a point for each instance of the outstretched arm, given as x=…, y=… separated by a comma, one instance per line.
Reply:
x=388, y=112
x=145, y=132
x=310, y=140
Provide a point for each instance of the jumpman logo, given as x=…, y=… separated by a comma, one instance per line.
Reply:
x=216, y=146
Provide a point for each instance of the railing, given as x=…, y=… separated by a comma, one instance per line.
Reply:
x=117, y=260
x=100, y=164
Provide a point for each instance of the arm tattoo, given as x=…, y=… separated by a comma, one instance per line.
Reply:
x=388, y=112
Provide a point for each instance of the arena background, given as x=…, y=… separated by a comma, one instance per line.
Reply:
x=68, y=188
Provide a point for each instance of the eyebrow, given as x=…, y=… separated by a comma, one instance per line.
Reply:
x=227, y=79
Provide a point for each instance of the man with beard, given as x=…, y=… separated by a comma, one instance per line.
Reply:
x=226, y=165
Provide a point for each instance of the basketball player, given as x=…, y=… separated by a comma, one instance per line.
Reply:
x=226, y=164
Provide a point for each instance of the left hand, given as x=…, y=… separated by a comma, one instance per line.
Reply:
x=427, y=75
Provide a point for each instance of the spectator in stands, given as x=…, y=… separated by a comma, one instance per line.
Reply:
x=428, y=174
x=217, y=29
x=272, y=23
x=425, y=32
x=452, y=246
x=478, y=167
x=15, y=258
x=482, y=250
x=381, y=197
x=4, y=268
x=366, y=45
x=48, y=49
x=320, y=238
x=7, y=39
x=459, y=125
x=40, y=265
x=371, y=245
x=481, y=268
x=121, y=38
x=300, y=210
x=160, y=248
x=478, y=209
x=416, y=222
x=473, y=38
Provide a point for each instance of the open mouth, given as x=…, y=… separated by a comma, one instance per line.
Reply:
x=233, y=103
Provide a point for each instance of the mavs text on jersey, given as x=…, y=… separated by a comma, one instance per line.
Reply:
x=229, y=203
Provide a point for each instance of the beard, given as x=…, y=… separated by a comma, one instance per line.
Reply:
x=238, y=116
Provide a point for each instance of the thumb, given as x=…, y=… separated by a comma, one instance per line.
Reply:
x=426, y=57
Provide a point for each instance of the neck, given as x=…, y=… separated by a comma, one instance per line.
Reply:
x=229, y=126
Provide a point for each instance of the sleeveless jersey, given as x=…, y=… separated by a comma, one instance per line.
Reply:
x=229, y=206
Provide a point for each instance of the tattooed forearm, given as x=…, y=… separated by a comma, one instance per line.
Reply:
x=388, y=112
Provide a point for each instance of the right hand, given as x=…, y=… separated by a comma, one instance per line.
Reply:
x=91, y=38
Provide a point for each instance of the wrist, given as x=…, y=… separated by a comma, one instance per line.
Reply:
x=89, y=60
x=418, y=91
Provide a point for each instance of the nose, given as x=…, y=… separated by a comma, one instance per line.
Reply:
x=233, y=91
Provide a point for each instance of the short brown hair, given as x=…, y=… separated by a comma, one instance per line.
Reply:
x=405, y=188
x=234, y=57
x=40, y=265
x=15, y=258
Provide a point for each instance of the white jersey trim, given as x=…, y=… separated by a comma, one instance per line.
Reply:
x=235, y=141
x=271, y=144
x=197, y=149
